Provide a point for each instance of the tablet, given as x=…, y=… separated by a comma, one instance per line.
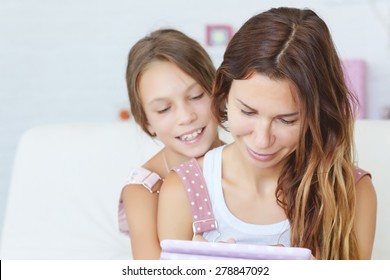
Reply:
x=195, y=250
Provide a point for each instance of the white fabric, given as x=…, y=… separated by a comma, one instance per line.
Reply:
x=229, y=226
x=372, y=139
x=63, y=198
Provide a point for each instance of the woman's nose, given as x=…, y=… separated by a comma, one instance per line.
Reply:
x=263, y=134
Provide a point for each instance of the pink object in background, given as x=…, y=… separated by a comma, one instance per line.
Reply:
x=218, y=35
x=355, y=74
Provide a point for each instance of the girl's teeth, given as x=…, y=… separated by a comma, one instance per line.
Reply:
x=191, y=136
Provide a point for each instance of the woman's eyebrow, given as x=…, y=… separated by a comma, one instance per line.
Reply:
x=279, y=115
x=289, y=115
x=243, y=104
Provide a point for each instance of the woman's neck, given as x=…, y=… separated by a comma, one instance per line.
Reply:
x=239, y=170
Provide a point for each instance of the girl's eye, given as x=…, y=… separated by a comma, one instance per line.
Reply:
x=163, y=110
x=248, y=113
x=198, y=96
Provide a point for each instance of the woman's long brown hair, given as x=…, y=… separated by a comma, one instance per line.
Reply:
x=316, y=187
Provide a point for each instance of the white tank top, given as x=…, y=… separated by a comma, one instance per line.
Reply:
x=229, y=226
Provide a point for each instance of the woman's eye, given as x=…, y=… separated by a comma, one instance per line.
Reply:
x=287, y=121
x=197, y=97
x=248, y=113
x=163, y=110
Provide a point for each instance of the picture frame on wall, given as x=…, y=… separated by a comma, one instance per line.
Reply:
x=218, y=35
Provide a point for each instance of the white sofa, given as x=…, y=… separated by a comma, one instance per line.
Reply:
x=66, y=181
x=67, y=178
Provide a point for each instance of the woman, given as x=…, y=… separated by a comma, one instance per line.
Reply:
x=289, y=177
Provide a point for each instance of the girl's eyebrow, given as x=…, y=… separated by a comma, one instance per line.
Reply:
x=157, y=100
x=187, y=90
x=280, y=115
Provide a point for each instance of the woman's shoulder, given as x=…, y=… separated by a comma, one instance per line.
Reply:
x=359, y=173
x=364, y=187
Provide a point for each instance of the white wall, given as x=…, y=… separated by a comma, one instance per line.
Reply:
x=64, y=60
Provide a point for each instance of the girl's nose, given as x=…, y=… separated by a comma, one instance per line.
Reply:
x=186, y=114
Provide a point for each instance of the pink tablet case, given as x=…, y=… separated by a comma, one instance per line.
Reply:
x=197, y=250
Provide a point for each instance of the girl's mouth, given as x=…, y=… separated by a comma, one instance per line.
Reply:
x=191, y=136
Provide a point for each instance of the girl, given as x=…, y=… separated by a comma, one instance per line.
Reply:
x=289, y=177
x=169, y=79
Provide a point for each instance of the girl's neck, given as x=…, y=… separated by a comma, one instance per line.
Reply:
x=218, y=142
x=171, y=160
x=166, y=165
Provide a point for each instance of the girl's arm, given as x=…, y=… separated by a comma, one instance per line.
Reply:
x=174, y=212
x=141, y=215
x=365, y=216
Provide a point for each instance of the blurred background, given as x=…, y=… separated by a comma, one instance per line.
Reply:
x=63, y=61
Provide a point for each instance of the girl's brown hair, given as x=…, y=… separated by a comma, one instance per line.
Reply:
x=166, y=45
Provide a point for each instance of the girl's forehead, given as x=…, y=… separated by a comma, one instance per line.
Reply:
x=162, y=79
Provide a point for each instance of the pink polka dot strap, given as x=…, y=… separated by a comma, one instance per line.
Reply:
x=193, y=180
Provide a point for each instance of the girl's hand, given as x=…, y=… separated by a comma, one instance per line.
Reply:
x=281, y=245
x=199, y=237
